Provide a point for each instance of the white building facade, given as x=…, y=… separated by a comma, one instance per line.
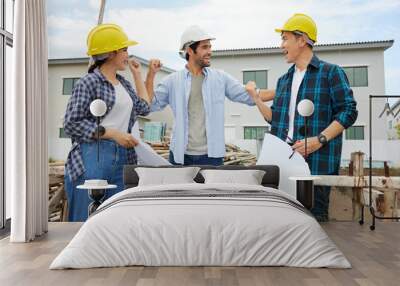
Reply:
x=363, y=63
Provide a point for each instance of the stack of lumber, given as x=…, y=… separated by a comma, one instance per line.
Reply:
x=57, y=196
x=236, y=156
x=233, y=156
x=162, y=149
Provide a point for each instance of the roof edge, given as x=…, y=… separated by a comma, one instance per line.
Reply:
x=82, y=60
x=385, y=44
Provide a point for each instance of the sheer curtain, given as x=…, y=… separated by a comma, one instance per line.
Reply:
x=26, y=119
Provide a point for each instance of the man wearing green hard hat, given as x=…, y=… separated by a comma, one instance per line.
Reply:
x=324, y=84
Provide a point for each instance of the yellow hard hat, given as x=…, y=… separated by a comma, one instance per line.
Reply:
x=302, y=23
x=106, y=38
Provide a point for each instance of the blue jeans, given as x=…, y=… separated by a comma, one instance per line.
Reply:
x=197, y=160
x=112, y=159
x=321, y=202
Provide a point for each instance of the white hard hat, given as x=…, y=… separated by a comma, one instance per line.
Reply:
x=191, y=35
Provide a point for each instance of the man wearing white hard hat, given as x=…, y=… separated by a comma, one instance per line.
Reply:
x=333, y=110
x=196, y=96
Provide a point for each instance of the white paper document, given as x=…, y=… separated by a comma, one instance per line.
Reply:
x=277, y=152
x=145, y=154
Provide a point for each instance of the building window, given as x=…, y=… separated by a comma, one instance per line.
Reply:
x=61, y=133
x=259, y=77
x=357, y=76
x=355, y=133
x=154, y=131
x=255, y=132
x=390, y=124
x=68, y=85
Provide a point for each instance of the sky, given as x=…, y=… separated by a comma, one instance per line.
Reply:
x=158, y=25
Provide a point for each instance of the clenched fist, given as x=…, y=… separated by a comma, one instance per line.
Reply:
x=134, y=66
x=155, y=66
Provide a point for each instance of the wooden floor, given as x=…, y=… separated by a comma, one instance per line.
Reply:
x=375, y=257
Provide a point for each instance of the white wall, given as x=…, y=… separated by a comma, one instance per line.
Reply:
x=59, y=147
x=238, y=115
x=373, y=58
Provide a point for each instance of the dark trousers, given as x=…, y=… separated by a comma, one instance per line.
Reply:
x=197, y=160
x=321, y=202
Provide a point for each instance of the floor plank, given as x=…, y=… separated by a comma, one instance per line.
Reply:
x=374, y=255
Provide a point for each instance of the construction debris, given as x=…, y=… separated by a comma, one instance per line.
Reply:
x=57, y=197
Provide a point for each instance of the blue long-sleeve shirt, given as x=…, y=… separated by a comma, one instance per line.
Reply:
x=174, y=91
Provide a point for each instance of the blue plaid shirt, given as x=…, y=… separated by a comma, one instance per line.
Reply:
x=80, y=124
x=326, y=85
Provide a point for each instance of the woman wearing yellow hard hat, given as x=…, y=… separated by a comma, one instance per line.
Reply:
x=107, y=45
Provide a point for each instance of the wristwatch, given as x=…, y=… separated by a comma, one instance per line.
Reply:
x=100, y=130
x=322, y=139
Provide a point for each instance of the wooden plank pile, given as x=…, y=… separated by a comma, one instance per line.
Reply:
x=57, y=197
x=161, y=148
x=236, y=156
x=233, y=156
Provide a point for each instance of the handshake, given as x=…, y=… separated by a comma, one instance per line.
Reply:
x=259, y=97
x=252, y=90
